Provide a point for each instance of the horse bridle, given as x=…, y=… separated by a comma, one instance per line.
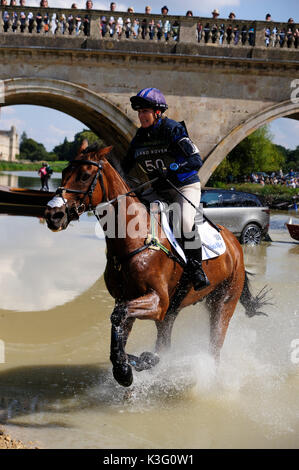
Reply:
x=61, y=191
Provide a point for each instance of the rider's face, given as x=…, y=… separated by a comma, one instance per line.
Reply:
x=146, y=117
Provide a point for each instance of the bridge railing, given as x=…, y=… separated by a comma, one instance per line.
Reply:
x=99, y=24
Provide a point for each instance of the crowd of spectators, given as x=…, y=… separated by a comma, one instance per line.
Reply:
x=133, y=27
x=290, y=179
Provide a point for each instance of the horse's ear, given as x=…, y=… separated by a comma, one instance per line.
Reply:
x=103, y=152
x=83, y=145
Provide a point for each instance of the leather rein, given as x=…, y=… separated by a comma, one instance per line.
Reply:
x=61, y=191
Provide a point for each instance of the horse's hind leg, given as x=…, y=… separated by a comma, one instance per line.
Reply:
x=221, y=304
x=164, y=330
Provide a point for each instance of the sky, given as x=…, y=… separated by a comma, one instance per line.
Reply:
x=51, y=127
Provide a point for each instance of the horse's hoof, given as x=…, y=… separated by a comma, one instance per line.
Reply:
x=123, y=375
x=147, y=360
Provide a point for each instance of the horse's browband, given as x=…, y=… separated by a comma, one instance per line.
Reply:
x=62, y=190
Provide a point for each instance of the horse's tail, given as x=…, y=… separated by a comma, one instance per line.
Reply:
x=253, y=304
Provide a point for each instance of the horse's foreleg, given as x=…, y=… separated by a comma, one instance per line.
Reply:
x=149, y=306
x=120, y=329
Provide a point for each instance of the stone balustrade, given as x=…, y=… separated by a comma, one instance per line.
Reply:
x=97, y=24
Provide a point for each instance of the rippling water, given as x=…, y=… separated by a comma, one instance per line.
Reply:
x=56, y=386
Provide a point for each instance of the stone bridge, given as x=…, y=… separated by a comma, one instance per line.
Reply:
x=224, y=78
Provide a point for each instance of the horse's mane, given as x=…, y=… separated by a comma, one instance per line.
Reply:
x=114, y=161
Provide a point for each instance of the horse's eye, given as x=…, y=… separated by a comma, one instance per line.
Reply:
x=85, y=177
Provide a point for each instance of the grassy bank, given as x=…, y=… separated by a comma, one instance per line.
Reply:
x=271, y=194
x=30, y=166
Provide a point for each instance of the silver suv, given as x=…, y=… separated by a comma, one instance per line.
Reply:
x=242, y=213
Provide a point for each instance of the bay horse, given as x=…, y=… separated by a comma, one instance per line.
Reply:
x=147, y=283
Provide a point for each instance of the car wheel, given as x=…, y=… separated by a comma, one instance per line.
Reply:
x=251, y=235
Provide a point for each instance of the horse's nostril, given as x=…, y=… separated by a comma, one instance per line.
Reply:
x=58, y=215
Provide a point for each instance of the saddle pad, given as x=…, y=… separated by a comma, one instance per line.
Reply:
x=211, y=239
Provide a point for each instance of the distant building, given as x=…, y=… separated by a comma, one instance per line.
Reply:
x=9, y=145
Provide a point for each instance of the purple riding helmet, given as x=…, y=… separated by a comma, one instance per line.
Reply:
x=149, y=98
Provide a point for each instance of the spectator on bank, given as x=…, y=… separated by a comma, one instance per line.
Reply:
x=268, y=17
x=89, y=5
x=74, y=6
x=44, y=177
x=44, y=3
x=22, y=3
x=232, y=16
x=148, y=10
x=130, y=10
x=112, y=6
x=3, y=3
x=189, y=13
x=215, y=13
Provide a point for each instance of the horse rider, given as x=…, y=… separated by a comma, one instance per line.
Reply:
x=161, y=143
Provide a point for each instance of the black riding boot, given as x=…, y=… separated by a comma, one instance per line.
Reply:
x=194, y=267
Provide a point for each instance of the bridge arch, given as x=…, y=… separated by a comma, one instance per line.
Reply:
x=93, y=110
x=234, y=137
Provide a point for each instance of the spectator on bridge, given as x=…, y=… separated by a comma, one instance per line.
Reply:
x=232, y=16
x=22, y=3
x=22, y=20
x=148, y=10
x=86, y=19
x=215, y=13
x=130, y=10
x=189, y=13
x=112, y=6
x=13, y=3
x=74, y=6
x=3, y=3
x=103, y=26
x=44, y=3
x=268, y=17
x=296, y=38
x=164, y=10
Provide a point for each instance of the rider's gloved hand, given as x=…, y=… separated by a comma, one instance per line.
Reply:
x=161, y=173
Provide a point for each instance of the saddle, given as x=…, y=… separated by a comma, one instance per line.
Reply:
x=212, y=241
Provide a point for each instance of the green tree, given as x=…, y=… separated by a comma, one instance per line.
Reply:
x=68, y=150
x=32, y=150
x=255, y=153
